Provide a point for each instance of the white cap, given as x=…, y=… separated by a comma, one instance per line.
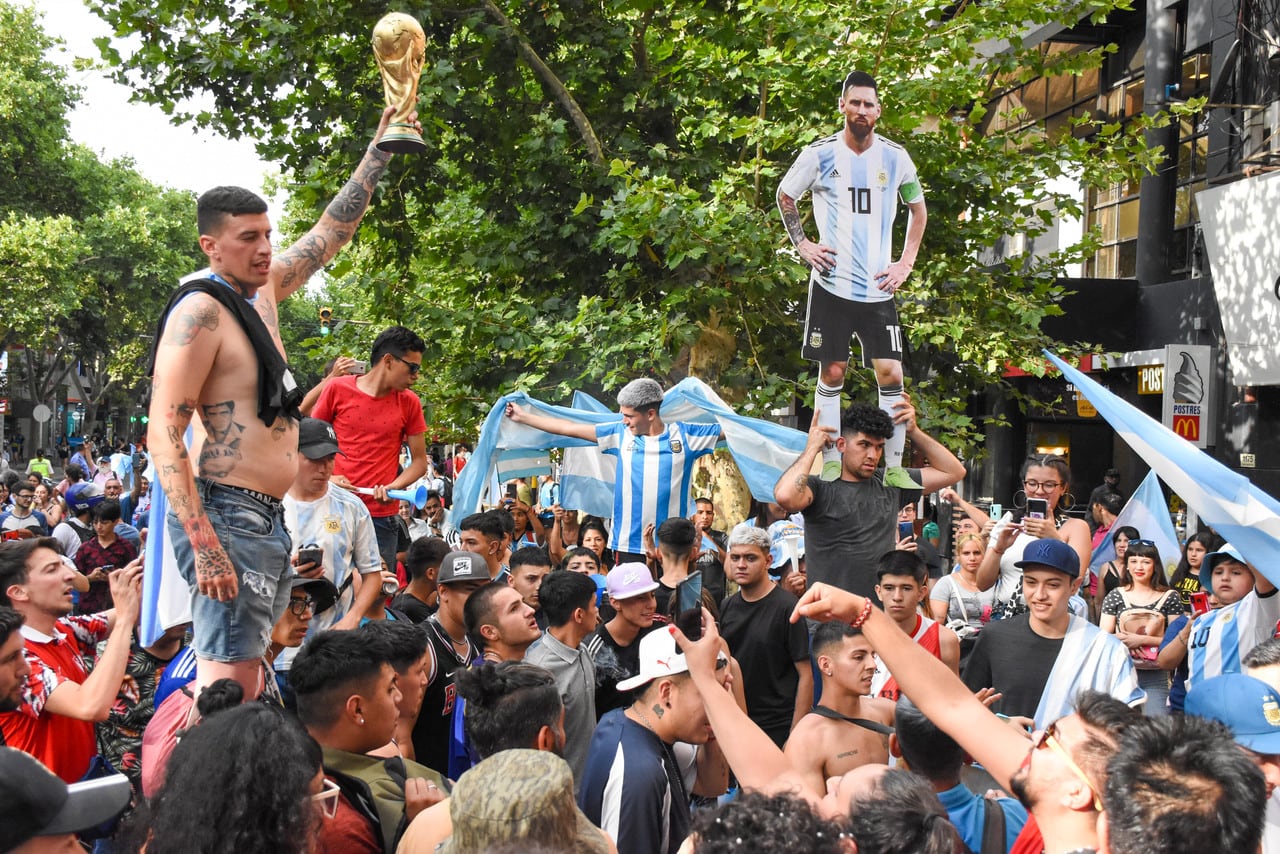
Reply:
x=659, y=657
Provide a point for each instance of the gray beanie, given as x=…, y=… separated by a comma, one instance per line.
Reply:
x=641, y=394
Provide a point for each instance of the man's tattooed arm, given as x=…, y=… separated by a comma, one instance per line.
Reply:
x=791, y=218
x=336, y=227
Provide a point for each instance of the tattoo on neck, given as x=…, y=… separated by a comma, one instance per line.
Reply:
x=658, y=710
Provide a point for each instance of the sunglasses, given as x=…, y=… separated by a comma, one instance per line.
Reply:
x=327, y=801
x=413, y=367
x=1049, y=736
x=1147, y=543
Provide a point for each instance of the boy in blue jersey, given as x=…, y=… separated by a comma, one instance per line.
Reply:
x=854, y=176
x=655, y=460
x=1218, y=640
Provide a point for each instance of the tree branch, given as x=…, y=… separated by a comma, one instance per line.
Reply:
x=549, y=79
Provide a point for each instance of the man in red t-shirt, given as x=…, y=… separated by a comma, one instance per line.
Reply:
x=61, y=700
x=374, y=414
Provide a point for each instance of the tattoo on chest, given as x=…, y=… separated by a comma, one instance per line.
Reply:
x=183, y=329
x=847, y=754
x=221, y=451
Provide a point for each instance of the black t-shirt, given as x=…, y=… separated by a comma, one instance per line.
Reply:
x=1014, y=660
x=767, y=646
x=848, y=527
x=613, y=663
x=711, y=565
x=412, y=607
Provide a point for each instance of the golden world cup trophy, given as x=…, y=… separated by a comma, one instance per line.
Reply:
x=399, y=44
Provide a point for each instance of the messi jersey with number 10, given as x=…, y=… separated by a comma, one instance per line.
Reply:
x=855, y=201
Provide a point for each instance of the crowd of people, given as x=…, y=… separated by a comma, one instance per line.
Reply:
x=360, y=674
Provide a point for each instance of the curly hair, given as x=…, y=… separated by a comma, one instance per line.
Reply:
x=241, y=781
x=866, y=419
x=759, y=822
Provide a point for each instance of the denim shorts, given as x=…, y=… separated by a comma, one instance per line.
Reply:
x=254, y=538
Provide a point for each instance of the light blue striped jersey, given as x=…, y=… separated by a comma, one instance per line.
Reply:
x=339, y=523
x=653, y=475
x=1219, y=639
x=855, y=201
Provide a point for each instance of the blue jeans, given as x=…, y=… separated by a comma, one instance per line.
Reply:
x=254, y=538
x=387, y=529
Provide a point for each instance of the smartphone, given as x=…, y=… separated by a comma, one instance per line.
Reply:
x=689, y=594
x=906, y=530
x=997, y=510
x=1199, y=603
x=359, y=367
x=690, y=622
x=511, y=490
x=1037, y=508
x=310, y=554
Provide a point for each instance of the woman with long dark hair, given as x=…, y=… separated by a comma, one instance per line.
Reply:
x=1137, y=613
x=246, y=779
x=1110, y=573
x=1186, y=578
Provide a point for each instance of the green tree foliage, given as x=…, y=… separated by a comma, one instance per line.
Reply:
x=597, y=196
x=89, y=251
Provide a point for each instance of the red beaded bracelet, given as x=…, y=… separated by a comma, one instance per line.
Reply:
x=862, y=616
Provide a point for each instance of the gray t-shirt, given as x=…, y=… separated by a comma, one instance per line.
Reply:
x=848, y=527
x=972, y=606
x=575, y=675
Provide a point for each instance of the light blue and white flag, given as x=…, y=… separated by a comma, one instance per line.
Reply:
x=1146, y=511
x=166, y=598
x=1246, y=516
x=587, y=476
x=762, y=450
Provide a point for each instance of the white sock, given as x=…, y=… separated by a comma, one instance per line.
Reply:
x=889, y=396
x=826, y=403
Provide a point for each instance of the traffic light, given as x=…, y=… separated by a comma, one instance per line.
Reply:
x=326, y=318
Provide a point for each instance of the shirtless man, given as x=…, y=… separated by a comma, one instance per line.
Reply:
x=227, y=521
x=824, y=746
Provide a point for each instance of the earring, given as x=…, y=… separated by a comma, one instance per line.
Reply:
x=1020, y=499
x=360, y=720
x=1066, y=502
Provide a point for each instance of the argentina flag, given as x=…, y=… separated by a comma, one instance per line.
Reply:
x=1246, y=516
x=1146, y=510
x=762, y=450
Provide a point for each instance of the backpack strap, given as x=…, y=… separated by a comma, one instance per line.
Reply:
x=874, y=726
x=993, y=830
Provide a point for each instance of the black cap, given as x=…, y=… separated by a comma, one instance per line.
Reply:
x=316, y=439
x=35, y=802
x=322, y=591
